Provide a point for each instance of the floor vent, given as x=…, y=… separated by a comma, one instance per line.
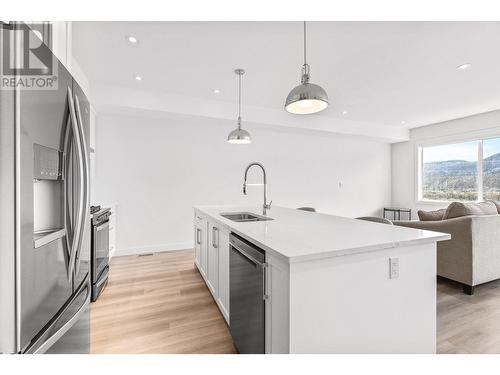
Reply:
x=145, y=255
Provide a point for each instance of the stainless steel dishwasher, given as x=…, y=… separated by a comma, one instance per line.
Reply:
x=247, y=296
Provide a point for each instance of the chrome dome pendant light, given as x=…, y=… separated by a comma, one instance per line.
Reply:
x=306, y=98
x=239, y=135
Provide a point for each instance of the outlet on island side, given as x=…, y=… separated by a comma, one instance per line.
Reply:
x=393, y=268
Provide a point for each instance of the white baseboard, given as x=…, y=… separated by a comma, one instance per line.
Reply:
x=153, y=249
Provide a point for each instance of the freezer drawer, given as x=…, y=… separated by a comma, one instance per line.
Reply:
x=69, y=330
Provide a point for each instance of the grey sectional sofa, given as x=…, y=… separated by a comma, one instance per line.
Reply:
x=472, y=256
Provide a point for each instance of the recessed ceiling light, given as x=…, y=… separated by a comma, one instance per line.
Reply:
x=132, y=39
x=463, y=66
x=216, y=91
x=138, y=78
x=403, y=122
x=345, y=112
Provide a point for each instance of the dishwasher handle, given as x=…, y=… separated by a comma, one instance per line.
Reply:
x=249, y=250
x=248, y=256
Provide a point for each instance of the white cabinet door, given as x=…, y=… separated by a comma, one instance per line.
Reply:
x=198, y=239
x=213, y=260
x=197, y=245
x=204, y=249
x=223, y=299
x=201, y=242
x=211, y=256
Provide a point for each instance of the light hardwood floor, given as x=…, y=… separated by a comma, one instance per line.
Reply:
x=157, y=304
x=468, y=324
x=160, y=304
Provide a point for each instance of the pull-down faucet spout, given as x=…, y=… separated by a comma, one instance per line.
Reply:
x=266, y=205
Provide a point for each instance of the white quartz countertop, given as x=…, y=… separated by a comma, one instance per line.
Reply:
x=300, y=236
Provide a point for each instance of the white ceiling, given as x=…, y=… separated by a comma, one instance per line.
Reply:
x=380, y=72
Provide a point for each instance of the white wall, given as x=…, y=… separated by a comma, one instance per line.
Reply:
x=156, y=169
x=61, y=42
x=404, y=154
x=62, y=47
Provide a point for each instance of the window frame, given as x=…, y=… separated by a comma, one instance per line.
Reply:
x=419, y=148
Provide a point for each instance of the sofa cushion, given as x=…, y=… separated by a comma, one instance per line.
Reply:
x=457, y=209
x=431, y=215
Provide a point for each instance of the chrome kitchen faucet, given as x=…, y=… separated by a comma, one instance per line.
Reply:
x=266, y=205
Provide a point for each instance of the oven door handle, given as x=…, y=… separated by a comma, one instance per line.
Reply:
x=102, y=226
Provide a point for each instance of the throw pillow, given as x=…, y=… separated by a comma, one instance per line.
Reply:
x=431, y=215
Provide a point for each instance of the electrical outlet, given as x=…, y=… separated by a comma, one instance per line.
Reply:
x=393, y=268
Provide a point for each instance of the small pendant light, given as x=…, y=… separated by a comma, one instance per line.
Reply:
x=307, y=97
x=239, y=135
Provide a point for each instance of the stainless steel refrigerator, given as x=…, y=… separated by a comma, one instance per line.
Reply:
x=44, y=215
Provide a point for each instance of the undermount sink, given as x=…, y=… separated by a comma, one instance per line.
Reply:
x=244, y=216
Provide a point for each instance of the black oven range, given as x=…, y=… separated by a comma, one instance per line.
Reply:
x=100, y=250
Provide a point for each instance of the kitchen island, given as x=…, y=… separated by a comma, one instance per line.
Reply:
x=334, y=284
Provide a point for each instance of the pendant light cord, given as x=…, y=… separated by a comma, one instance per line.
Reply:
x=239, y=101
x=305, y=61
x=305, y=67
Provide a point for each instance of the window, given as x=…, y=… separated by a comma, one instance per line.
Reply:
x=491, y=169
x=467, y=171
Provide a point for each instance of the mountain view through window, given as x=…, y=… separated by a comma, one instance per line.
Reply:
x=491, y=169
x=453, y=172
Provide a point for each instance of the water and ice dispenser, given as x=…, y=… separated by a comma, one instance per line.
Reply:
x=48, y=194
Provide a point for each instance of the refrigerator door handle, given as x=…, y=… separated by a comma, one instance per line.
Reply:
x=68, y=220
x=81, y=204
x=85, y=184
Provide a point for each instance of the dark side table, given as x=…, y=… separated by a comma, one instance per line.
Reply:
x=395, y=213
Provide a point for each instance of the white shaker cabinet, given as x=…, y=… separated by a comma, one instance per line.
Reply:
x=211, y=256
x=197, y=245
x=223, y=298
x=213, y=259
x=201, y=248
